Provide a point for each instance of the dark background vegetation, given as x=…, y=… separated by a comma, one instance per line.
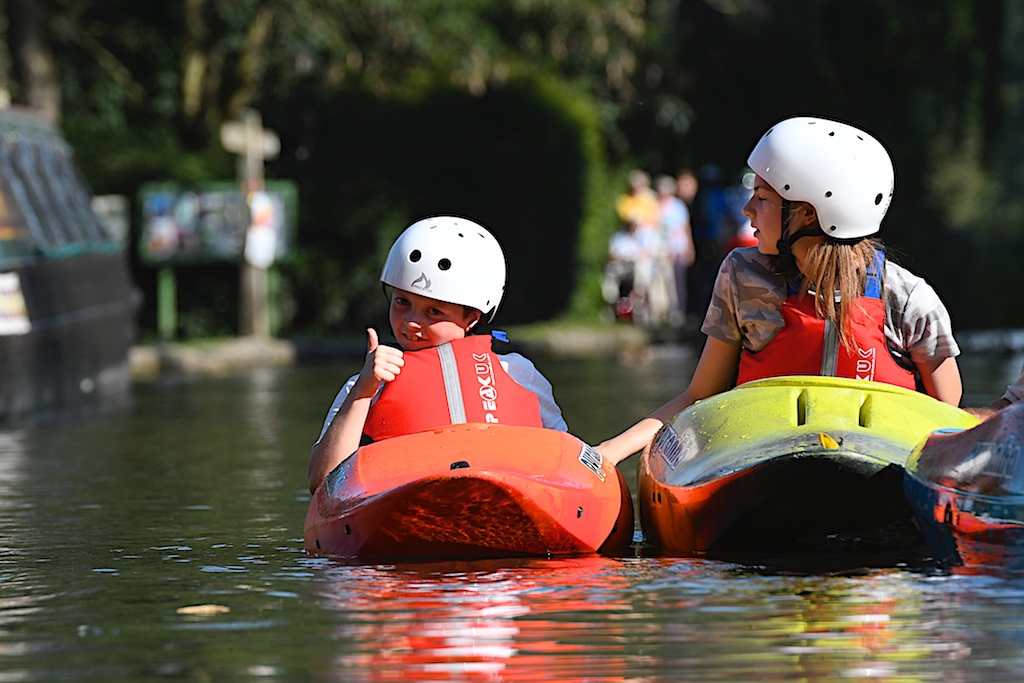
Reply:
x=525, y=115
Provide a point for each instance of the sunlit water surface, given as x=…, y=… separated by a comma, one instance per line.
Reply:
x=163, y=541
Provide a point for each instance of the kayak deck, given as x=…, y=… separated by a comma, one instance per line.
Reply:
x=471, y=491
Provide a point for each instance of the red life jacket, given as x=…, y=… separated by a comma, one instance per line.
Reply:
x=457, y=382
x=800, y=346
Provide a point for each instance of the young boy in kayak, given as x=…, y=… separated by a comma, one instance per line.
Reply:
x=447, y=274
x=816, y=296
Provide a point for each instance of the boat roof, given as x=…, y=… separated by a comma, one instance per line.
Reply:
x=45, y=204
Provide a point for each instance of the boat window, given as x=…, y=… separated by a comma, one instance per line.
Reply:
x=19, y=193
x=44, y=187
x=27, y=167
x=61, y=200
x=81, y=199
x=16, y=243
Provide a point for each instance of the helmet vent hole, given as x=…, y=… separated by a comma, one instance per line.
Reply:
x=444, y=264
x=878, y=199
x=832, y=134
x=832, y=228
x=787, y=186
x=415, y=255
x=829, y=193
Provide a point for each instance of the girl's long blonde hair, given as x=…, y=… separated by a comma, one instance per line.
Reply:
x=836, y=273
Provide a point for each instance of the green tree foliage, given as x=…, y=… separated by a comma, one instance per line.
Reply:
x=508, y=111
x=388, y=111
x=512, y=158
x=927, y=78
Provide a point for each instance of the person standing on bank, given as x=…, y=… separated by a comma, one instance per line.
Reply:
x=674, y=219
x=816, y=296
x=446, y=274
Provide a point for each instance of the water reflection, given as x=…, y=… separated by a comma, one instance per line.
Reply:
x=195, y=495
x=598, y=619
x=21, y=598
x=527, y=621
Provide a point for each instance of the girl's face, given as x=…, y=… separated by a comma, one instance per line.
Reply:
x=764, y=209
x=419, y=322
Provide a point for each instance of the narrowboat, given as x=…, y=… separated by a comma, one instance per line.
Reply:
x=67, y=302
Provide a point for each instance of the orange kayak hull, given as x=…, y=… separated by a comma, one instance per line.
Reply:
x=471, y=491
x=967, y=488
x=788, y=465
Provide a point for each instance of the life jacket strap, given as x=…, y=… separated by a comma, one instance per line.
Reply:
x=452, y=386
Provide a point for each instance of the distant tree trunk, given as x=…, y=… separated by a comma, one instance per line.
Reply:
x=35, y=70
x=201, y=65
x=5, y=58
x=251, y=64
x=209, y=93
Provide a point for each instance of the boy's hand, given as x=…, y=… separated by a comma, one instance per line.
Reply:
x=383, y=363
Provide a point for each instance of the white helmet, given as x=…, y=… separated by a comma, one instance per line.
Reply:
x=450, y=259
x=845, y=173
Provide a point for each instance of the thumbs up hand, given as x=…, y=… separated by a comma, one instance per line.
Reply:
x=383, y=364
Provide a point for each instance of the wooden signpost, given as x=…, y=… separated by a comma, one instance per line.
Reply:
x=253, y=143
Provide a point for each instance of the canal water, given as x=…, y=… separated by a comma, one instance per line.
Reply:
x=162, y=540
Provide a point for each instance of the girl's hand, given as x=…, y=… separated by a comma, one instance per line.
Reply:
x=383, y=363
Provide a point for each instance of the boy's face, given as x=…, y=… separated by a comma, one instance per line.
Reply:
x=419, y=322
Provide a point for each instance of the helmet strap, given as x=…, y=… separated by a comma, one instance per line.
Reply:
x=848, y=240
x=786, y=242
x=806, y=232
x=785, y=261
x=783, y=244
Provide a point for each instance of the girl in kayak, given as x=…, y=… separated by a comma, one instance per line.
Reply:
x=447, y=274
x=820, y=193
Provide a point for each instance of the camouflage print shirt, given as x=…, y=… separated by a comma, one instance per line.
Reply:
x=745, y=308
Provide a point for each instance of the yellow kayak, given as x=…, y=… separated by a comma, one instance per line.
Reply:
x=787, y=464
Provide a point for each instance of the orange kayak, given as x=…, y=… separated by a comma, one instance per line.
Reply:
x=966, y=487
x=471, y=491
